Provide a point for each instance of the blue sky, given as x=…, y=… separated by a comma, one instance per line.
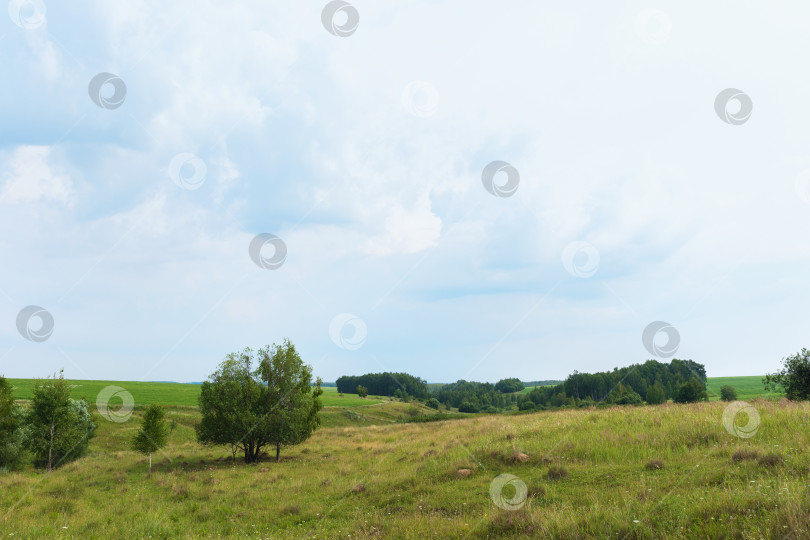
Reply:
x=365, y=153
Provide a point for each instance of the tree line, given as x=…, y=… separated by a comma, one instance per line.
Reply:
x=384, y=384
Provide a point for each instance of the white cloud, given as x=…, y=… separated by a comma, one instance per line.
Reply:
x=28, y=177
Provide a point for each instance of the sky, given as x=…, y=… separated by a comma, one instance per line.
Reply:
x=453, y=189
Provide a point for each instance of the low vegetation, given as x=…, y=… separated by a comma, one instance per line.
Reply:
x=637, y=472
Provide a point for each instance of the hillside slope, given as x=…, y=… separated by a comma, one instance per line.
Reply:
x=647, y=472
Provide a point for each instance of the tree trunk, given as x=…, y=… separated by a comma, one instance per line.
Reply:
x=278, y=450
x=50, y=451
x=150, y=463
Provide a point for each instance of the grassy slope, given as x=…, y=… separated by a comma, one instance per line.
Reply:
x=411, y=486
x=145, y=393
x=747, y=387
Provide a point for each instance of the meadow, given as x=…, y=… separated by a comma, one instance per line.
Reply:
x=628, y=472
x=167, y=393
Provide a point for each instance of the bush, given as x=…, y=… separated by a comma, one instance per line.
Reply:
x=691, y=392
x=58, y=428
x=728, y=393
x=527, y=405
x=433, y=403
x=793, y=378
x=362, y=391
x=11, y=427
x=467, y=407
x=623, y=395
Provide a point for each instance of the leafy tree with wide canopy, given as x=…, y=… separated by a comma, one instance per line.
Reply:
x=271, y=404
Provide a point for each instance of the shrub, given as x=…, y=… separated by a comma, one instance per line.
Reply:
x=467, y=407
x=59, y=428
x=728, y=393
x=691, y=392
x=11, y=427
x=362, y=391
x=527, y=405
x=793, y=378
x=433, y=403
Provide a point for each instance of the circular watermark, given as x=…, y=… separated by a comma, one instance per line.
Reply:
x=803, y=186
x=741, y=115
x=730, y=414
x=38, y=333
x=653, y=26
x=121, y=414
x=580, y=259
x=27, y=14
x=329, y=18
x=665, y=350
x=420, y=98
x=260, y=244
x=500, y=189
x=348, y=331
x=98, y=90
x=516, y=501
x=187, y=171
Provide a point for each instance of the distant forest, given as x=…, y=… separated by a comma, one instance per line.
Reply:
x=652, y=381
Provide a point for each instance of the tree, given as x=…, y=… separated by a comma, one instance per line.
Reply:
x=794, y=377
x=691, y=392
x=508, y=386
x=728, y=393
x=656, y=394
x=154, y=432
x=60, y=428
x=433, y=403
x=11, y=427
x=274, y=404
x=362, y=391
x=623, y=395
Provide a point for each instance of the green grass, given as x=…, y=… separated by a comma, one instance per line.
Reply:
x=747, y=387
x=634, y=472
x=182, y=394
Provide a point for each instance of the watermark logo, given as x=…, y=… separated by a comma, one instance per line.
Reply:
x=121, y=414
x=99, y=94
x=500, y=189
x=348, y=331
x=730, y=414
x=339, y=8
x=580, y=259
x=258, y=249
x=36, y=334
x=653, y=26
x=726, y=114
x=420, y=98
x=655, y=348
x=187, y=171
x=27, y=14
x=499, y=484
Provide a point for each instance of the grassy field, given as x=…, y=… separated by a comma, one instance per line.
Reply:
x=747, y=387
x=145, y=393
x=640, y=472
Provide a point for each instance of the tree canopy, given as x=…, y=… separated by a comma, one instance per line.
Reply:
x=249, y=408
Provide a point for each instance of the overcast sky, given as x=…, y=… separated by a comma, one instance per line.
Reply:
x=362, y=141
